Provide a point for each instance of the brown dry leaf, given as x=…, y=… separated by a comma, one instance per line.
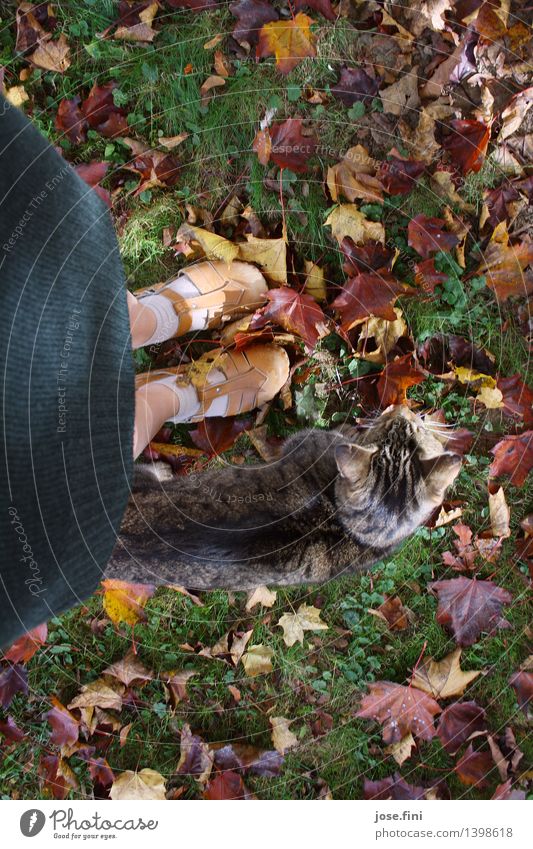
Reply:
x=128, y=670
x=211, y=245
x=269, y=254
x=294, y=624
x=504, y=265
x=100, y=693
x=261, y=595
x=196, y=758
x=384, y=335
x=123, y=734
x=238, y=646
x=346, y=220
x=402, y=95
x=146, y=784
x=176, y=685
x=282, y=737
x=52, y=55
x=258, y=660
x=315, y=284
x=513, y=115
x=354, y=177
x=222, y=64
x=499, y=514
x=214, y=41
x=141, y=31
x=444, y=678
x=170, y=142
x=179, y=589
x=401, y=750
x=443, y=186
x=206, y=89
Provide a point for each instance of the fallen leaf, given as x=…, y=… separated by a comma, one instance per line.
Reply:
x=354, y=86
x=400, y=710
x=470, y=607
x=129, y=669
x=248, y=759
x=196, y=759
x=445, y=678
x=354, y=177
x=307, y=618
x=427, y=237
x=285, y=144
x=392, y=787
x=289, y=41
x=226, y=785
x=398, y=175
x=100, y=693
x=124, y=602
x=467, y=144
x=367, y=295
x=522, y=684
x=261, y=595
x=402, y=96
x=26, y=646
x=504, y=265
x=282, y=736
x=57, y=775
x=206, y=89
x=136, y=786
x=65, y=727
x=176, y=684
x=499, y=514
x=296, y=313
x=395, y=380
x=474, y=767
x=13, y=680
x=394, y=613
x=347, y=220
x=513, y=456
x=251, y=16
x=12, y=733
x=216, y=434
x=135, y=21
x=458, y=722
x=401, y=751
x=269, y=254
x=52, y=55
x=257, y=660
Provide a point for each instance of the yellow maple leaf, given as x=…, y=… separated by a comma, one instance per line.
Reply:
x=124, y=602
x=445, y=678
x=289, y=41
x=346, y=220
x=146, y=784
x=307, y=618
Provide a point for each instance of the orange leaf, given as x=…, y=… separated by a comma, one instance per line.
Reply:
x=25, y=647
x=395, y=380
x=289, y=41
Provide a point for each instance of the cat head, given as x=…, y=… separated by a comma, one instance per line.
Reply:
x=393, y=477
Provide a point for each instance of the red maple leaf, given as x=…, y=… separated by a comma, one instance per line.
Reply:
x=367, y=294
x=522, y=684
x=470, y=606
x=251, y=15
x=65, y=727
x=216, y=434
x=285, y=144
x=458, y=722
x=517, y=398
x=426, y=236
x=296, y=313
x=392, y=787
x=13, y=680
x=372, y=256
x=474, y=767
x=513, y=456
x=355, y=85
x=398, y=175
x=400, y=710
x=467, y=144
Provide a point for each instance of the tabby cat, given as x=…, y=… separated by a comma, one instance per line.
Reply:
x=335, y=502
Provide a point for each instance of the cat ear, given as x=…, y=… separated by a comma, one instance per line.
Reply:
x=440, y=472
x=353, y=461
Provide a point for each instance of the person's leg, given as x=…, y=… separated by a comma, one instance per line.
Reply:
x=201, y=296
x=222, y=383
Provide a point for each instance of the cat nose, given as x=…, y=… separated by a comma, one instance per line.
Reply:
x=396, y=410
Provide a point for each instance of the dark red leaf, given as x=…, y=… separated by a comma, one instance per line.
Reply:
x=25, y=647
x=296, y=313
x=440, y=354
x=372, y=256
x=195, y=5
x=290, y=148
x=513, y=456
x=248, y=759
x=92, y=173
x=71, y=121
x=216, y=434
x=504, y=791
x=393, y=787
x=12, y=733
x=57, y=776
x=367, y=294
x=522, y=684
x=398, y=176
x=65, y=727
x=470, y=607
x=458, y=722
x=251, y=16
x=517, y=398
x=13, y=680
x=474, y=767
x=355, y=85
x=427, y=276
x=426, y=236
x=226, y=785
x=101, y=113
x=101, y=772
x=323, y=6
x=467, y=144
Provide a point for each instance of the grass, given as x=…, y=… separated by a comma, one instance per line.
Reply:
x=328, y=673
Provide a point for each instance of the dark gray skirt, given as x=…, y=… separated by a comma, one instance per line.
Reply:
x=67, y=382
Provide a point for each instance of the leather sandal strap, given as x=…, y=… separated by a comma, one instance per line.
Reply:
x=241, y=387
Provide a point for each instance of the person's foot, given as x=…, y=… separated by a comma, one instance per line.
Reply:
x=220, y=383
x=201, y=296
